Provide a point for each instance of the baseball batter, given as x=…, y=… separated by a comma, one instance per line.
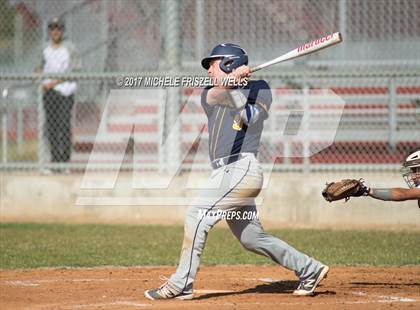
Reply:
x=236, y=118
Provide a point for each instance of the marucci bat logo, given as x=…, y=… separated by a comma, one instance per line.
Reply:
x=314, y=43
x=305, y=49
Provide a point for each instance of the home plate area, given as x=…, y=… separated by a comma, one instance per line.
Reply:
x=220, y=286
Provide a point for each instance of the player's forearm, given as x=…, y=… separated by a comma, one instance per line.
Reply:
x=394, y=194
x=401, y=194
x=219, y=96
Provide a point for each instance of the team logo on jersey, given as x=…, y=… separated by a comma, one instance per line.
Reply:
x=237, y=123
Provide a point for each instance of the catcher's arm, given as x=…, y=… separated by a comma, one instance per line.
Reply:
x=347, y=188
x=395, y=194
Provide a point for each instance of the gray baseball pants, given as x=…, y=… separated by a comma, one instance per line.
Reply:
x=231, y=188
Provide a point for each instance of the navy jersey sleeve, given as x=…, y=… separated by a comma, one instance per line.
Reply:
x=260, y=93
x=207, y=108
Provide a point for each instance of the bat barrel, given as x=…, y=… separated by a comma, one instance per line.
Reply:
x=305, y=49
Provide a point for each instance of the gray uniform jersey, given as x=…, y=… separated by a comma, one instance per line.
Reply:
x=228, y=134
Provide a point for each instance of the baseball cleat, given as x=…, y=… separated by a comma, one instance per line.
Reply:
x=167, y=291
x=307, y=287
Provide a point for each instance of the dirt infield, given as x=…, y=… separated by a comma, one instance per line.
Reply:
x=221, y=287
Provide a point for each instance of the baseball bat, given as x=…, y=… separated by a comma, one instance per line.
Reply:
x=305, y=49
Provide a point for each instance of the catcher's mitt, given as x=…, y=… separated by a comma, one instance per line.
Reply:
x=344, y=189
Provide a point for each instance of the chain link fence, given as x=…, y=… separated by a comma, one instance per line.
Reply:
x=375, y=71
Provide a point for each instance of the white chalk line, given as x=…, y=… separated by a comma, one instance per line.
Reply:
x=32, y=283
x=21, y=283
x=386, y=298
x=266, y=280
x=212, y=291
x=95, y=305
x=113, y=303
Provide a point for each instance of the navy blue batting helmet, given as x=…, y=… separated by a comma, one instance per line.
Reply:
x=232, y=56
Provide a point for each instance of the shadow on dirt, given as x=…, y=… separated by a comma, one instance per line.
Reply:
x=280, y=287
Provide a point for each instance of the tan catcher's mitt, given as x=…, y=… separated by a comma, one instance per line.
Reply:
x=344, y=189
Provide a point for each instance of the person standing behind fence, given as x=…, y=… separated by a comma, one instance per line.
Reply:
x=59, y=57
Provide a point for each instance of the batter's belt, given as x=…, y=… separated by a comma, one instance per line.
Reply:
x=223, y=161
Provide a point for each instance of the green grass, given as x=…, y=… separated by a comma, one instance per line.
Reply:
x=42, y=245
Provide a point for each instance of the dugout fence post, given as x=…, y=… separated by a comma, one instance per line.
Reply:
x=40, y=110
x=161, y=132
x=392, y=113
x=305, y=127
x=200, y=23
x=172, y=107
x=20, y=128
x=342, y=7
x=40, y=128
x=4, y=125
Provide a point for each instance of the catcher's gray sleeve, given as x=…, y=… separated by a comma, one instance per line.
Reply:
x=382, y=193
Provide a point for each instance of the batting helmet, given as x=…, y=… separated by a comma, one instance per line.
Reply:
x=232, y=56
